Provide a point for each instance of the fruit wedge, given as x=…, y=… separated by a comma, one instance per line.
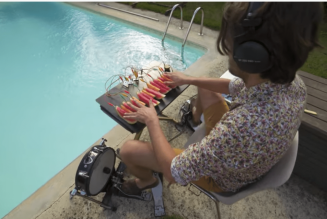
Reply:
x=121, y=113
x=155, y=102
x=157, y=94
x=162, y=89
x=164, y=78
x=128, y=107
x=160, y=82
x=134, y=100
x=151, y=95
x=153, y=87
x=146, y=99
x=124, y=108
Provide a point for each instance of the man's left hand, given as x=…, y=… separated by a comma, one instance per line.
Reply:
x=143, y=114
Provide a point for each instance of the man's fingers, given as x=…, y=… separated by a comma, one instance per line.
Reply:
x=140, y=105
x=167, y=75
x=151, y=104
x=129, y=115
x=132, y=105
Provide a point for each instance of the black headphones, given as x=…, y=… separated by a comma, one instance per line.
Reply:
x=251, y=45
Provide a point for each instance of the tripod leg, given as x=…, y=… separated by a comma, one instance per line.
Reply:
x=138, y=135
x=159, y=209
x=107, y=199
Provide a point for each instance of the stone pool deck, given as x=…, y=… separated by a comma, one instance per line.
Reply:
x=295, y=199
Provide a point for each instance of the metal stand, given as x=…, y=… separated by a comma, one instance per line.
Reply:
x=159, y=208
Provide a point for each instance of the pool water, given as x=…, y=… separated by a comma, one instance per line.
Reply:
x=54, y=61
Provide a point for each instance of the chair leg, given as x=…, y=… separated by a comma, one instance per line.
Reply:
x=217, y=207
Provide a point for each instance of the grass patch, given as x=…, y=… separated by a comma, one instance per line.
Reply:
x=172, y=217
x=316, y=63
x=212, y=11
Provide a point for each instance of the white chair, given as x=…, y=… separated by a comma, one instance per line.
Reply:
x=277, y=176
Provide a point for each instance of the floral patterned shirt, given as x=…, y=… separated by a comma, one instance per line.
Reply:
x=249, y=139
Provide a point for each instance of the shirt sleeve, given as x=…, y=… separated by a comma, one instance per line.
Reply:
x=236, y=85
x=201, y=158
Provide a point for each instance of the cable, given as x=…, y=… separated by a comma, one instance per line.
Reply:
x=181, y=132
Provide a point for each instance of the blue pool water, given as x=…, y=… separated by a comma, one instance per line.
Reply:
x=54, y=61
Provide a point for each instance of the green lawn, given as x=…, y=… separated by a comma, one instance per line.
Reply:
x=316, y=63
x=212, y=11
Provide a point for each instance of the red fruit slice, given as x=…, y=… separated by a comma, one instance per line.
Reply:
x=159, y=82
x=128, y=107
x=151, y=95
x=155, y=102
x=157, y=94
x=153, y=87
x=159, y=85
x=165, y=78
x=134, y=103
x=124, y=108
x=121, y=113
x=134, y=100
x=162, y=89
x=143, y=98
x=158, y=79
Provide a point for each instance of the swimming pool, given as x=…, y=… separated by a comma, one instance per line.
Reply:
x=54, y=61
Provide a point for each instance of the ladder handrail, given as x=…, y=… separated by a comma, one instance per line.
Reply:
x=171, y=13
x=189, y=28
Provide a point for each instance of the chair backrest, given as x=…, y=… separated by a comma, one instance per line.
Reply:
x=277, y=176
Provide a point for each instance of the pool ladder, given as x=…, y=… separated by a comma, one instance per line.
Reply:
x=181, y=27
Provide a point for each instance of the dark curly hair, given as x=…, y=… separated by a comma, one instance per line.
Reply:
x=293, y=33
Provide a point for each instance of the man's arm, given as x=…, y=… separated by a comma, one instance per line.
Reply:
x=218, y=85
x=162, y=149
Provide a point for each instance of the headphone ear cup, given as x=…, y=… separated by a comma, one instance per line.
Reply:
x=252, y=57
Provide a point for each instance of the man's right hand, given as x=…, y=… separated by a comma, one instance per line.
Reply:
x=178, y=78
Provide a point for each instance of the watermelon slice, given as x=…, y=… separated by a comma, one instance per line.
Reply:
x=124, y=108
x=153, y=87
x=121, y=113
x=134, y=100
x=155, y=102
x=128, y=107
x=157, y=94
x=162, y=89
x=134, y=103
x=151, y=95
x=165, y=78
x=145, y=98
x=158, y=81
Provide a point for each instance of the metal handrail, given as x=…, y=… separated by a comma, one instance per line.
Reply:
x=171, y=13
x=189, y=28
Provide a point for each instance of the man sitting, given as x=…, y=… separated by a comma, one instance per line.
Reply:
x=244, y=142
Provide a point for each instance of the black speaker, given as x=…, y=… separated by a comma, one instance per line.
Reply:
x=251, y=42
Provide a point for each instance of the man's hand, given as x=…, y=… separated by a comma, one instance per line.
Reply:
x=178, y=78
x=143, y=114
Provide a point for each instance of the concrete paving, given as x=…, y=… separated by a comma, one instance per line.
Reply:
x=296, y=199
